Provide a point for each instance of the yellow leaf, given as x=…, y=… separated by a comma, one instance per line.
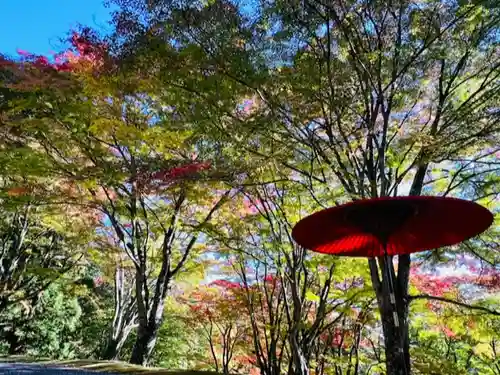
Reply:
x=310, y=296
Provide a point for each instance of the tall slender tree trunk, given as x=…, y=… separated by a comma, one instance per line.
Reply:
x=112, y=349
x=3, y=303
x=394, y=313
x=150, y=315
x=115, y=344
x=124, y=318
x=301, y=365
x=395, y=323
x=144, y=345
x=150, y=297
x=396, y=344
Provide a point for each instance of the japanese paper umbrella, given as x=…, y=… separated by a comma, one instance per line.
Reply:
x=387, y=226
x=391, y=226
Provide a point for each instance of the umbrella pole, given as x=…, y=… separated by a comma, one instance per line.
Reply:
x=392, y=289
x=392, y=298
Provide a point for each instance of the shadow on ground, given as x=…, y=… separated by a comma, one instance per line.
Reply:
x=30, y=366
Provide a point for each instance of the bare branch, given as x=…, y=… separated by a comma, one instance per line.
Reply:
x=454, y=302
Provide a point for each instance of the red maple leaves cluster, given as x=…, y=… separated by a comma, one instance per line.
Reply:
x=339, y=337
x=226, y=284
x=448, y=332
x=149, y=182
x=89, y=53
x=32, y=72
x=271, y=279
x=485, y=278
x=38, y=61
x=249, y=207
x=180, y=172
x=434, y=285
x=85, y=51
x=98, y=281
x=219, y=304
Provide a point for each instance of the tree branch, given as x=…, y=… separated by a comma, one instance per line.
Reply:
x=461, y=304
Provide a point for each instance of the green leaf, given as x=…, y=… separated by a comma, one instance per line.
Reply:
x=310, y=296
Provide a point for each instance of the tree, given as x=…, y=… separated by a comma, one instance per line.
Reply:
x=45, y=331
x=373, y=98
x=125, y=312
x=292, y=300
x=453, y=316
x=34, y=255
x=137, y=163
x=217, y=311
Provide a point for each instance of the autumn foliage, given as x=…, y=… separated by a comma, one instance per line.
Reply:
x=161, y=169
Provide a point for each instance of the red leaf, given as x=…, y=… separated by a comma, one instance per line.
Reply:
x=42, y=61
x=225, y=284
x=448, y=332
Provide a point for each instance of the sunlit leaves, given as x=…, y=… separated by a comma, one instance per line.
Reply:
x=289, y=109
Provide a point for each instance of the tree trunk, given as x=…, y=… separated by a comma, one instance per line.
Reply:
x=150, y=312
x=396, y=343
x=300, y=363
x=111, y=351
x=124, y=318
x=15, y=345
x=3, y=303
x=144, y=345
x=394, y=313
x=115, y=344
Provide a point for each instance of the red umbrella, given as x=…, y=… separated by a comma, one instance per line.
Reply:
x=391, y=226
x=387, y=226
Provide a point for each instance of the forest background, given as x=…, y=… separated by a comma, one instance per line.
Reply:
x=150, y=177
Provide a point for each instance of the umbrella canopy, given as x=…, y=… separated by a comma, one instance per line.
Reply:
x=391, y=225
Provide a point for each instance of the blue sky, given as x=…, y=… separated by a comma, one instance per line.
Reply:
x=37, y=26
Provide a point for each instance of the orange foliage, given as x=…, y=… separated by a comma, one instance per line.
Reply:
x=17, y=191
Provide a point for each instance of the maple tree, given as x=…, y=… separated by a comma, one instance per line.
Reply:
x=202, y=128
x=448, y=327
x=135, y=169
x=217, y=310
x=370, y=99
x=293, y=301
x=39, y=243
